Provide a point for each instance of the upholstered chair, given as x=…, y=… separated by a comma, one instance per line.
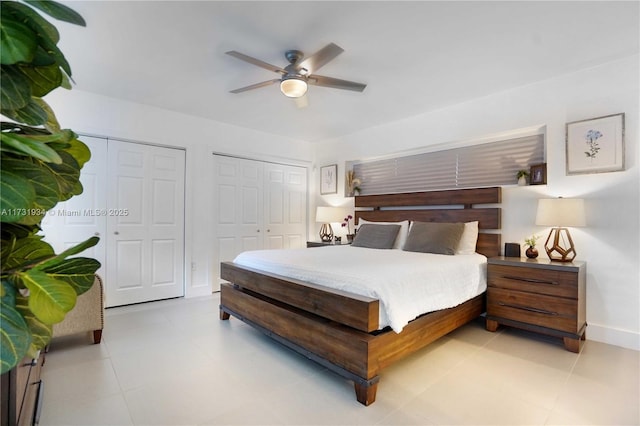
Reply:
x=87, y=315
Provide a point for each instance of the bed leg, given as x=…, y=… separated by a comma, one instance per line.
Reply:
x=224, y=315
x=491, y=325
x=366, y=394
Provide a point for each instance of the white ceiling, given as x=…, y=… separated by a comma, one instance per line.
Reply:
x=414, y=57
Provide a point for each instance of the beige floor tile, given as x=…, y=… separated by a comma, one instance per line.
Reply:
x=174, y=362
x=108, y=410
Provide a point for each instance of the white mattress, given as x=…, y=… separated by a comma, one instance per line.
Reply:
x=407, y=284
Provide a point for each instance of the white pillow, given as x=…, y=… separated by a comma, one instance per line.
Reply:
x=467, y=244
x=402, y=233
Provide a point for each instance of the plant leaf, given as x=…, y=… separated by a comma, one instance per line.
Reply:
x=58, y=11
x=59, y=258
x=42, y=182
x=79, y=151
x=51, y=124
x=40, y=332
x=31, y=18
x=27, y=251
x=31, y=114
x=42, y=79
x=17, y=42
x=14, y=91
x=67, y=176
x=32, y=146
x=15, y=337
x=16, y=196
x=49, y=299
x=78, y=272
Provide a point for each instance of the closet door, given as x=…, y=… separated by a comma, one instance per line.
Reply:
x=238, y=209
x=256, y=205
x=145, y=224
x=81, y=217
x=285, y=206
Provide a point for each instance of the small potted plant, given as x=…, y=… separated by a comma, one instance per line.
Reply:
x=522, y=176
x=347, y=224
x=531, y=251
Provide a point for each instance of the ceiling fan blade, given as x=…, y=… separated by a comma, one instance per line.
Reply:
x=336, y=83
x=302, y=101
x=255, y=61
x=320, y=58
x=256, y=86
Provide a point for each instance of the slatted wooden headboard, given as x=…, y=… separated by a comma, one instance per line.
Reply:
x=457, y=205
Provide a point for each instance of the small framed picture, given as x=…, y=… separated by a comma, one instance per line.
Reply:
x=595, y=145
x=329, y=179
x=538, y=174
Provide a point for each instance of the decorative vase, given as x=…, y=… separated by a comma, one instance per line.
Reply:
x=522, y=181
x=350, y=237
x=531, y=252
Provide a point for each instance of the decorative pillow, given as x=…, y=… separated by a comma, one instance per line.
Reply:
x=434, y=237
x=469, y=239
x=376, y=236
x=402, y=233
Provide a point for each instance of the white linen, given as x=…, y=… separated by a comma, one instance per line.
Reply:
x=408, y=284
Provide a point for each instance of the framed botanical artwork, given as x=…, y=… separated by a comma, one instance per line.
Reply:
x=329, y=179
x=538, y=174
x=595, y=145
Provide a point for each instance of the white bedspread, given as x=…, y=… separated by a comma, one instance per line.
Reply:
x=407, y=284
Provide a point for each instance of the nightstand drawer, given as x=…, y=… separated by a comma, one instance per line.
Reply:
x=545, y=311
x=534, y=280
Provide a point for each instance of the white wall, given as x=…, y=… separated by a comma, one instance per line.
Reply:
x=102, y=116
x=609, y=243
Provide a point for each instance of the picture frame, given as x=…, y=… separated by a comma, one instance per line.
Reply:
x=595, y=145
x=329, y=179
x=538, y=174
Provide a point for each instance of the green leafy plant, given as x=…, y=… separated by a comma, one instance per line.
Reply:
x=40, y=167
x=531, y=241
x=522, y=173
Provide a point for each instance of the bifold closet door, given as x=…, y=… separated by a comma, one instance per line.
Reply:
x=256, y=205
x=237, y=209
x=81, y=217
x=145, y=224
x=285, y=209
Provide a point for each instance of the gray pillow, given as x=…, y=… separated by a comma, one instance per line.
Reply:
x=433, y=237
x=376, y=236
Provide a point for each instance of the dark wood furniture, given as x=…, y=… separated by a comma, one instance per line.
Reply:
x=339, y=330
x=323, y=244
x=538, y=295
x=22, y=393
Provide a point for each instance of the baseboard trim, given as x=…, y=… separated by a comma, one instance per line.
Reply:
x=614, y=336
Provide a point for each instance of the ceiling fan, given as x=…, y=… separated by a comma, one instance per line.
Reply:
x=300, y=72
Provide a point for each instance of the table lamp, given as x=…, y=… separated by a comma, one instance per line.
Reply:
x=326, y=215
x=560, y=213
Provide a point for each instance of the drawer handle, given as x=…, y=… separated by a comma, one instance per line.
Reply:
x=530, y=280
x=527, y=308
x=38, y=410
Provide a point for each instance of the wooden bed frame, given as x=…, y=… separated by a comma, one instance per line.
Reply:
x=339, y=330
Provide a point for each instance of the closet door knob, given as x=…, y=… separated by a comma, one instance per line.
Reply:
x=258, y=230
x=116, y=233
x=97, y=234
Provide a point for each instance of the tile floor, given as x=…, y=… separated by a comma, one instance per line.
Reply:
x=174, y=363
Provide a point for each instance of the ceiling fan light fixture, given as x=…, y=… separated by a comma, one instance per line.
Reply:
x=293, y=86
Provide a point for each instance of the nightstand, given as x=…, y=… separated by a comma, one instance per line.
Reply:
x=323, y=244
x=538, y=295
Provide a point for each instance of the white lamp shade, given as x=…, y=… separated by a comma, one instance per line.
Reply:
x=293, y=87
x=560, y=212
x=329, y=214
